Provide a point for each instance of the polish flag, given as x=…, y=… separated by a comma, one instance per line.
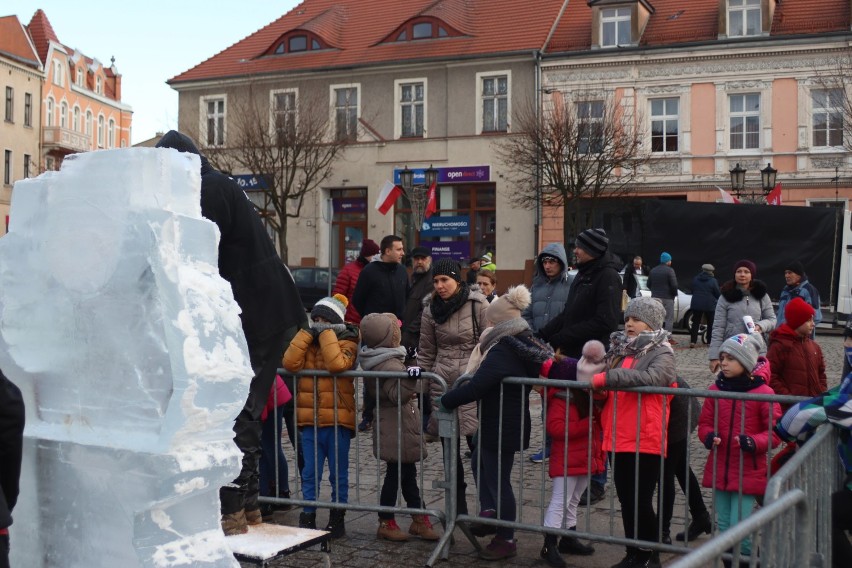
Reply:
x=387, y=197
x=432, y=203
x=774, y=197
x=727, y=197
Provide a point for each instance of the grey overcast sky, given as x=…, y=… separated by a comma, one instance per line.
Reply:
x=151, y=41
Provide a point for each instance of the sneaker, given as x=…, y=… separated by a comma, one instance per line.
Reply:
x=389, y=530
x=365, y=425
x=596, y=491
x=481, y=529
x=234, y=523
x=541, y=456
x=499, y=549
x=421, y=526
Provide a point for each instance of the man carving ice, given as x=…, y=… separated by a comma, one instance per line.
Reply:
x=271, y=315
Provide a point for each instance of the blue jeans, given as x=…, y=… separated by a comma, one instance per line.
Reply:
x=318, y=446
x=271, y=451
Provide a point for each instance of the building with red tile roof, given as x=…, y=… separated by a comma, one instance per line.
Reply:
x=21, y=77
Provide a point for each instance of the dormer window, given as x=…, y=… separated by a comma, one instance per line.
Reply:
x=615, y=27
x=618, y=23
x=297, y=41
x=744, y=18
x=422, y=28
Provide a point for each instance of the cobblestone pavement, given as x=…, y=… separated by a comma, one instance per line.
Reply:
x=361, y=548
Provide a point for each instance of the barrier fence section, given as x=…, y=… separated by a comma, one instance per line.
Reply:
x=530, y=483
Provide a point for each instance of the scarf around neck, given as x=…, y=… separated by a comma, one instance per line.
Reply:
x=371, y=357
x=443, y=309
x=622, y=346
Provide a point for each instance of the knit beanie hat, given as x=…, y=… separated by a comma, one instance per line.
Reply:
x=331, y=309
x=593, y=241
x=797, y=311
x=665, y=257
x=447, y=267
x=752, y=267
x=509, y=305
x=744, y=348
x=369, y=248
x=796, y=267
x=648, y=310
x=380, y=330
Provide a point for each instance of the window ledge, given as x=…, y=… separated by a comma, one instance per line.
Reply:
x=493, y=132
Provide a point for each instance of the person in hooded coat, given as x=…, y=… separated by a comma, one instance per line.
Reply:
x=11, y=452
x=271, y=314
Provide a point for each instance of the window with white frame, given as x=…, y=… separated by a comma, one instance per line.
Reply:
x=58, y=75
x=81, y=77
x=99, y=85
x=412, y=100
x=589, y=127
x=664, y=125
x=615, y=27
x=75, y=119
x=111, y=133
x=214, y=120
x=87, y=127
x=284, y=114
x=346, y=113
x=827, y=117
x=63, y=114
x=495, y=103
x=28, y=109
x=7, y=168
x=744, y=121
x=48, y=115
x=101, y=127
x=743, y=18
x=10, y=94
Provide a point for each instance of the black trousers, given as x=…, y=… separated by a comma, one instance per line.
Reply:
x=243, y=492
x=490, y=491
x=410, y=491
x=841, y=521
x=675, y=467
x=696, y=323
x=4, y=551
x=637, y=498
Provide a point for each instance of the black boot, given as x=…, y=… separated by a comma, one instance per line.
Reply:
x=335, y=523
x=307, y=520
x=572, y=545
x=549, y=552
x=700, y=524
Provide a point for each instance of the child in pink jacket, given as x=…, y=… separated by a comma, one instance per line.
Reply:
x=723, y=430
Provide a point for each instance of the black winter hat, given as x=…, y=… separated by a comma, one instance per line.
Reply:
x=447, y=267
x=796, y=267
x=593, y=241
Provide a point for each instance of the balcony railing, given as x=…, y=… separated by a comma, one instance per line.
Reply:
x=64, y=139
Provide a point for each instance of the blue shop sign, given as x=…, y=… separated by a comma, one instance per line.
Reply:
x=450, y=226
x=454, y=174
x=250, y=182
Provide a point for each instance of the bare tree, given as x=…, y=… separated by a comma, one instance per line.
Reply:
x=573, y=153
x=291, y=144
x=832, y=103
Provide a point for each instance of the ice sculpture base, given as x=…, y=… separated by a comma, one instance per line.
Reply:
x=267, y=542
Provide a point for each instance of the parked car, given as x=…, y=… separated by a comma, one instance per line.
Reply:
x=312, y=282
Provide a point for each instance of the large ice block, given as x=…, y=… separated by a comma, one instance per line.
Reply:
x=127, y=345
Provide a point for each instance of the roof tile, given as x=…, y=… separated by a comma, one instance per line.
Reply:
x=15, y=43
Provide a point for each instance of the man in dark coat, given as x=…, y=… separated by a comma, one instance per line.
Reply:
x=271, y=315
x=11, y=451
x=705, y=292
x=421, y=286
x=663, y=284
x=591, y=312
x=630, y=272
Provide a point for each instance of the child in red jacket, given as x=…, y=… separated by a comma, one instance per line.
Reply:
x=798, y=367
x=569, y=418
x=731, y=428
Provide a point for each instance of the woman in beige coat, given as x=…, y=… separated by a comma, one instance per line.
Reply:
x=452, y=322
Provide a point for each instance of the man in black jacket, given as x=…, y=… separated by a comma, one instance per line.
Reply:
x=11, y=451
x=382, y=287
x=271, y=315
x=421, y=286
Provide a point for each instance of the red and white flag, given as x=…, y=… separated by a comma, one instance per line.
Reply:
x=727, y=197
x=387, y=197
x=432, y=203
x=774, y=197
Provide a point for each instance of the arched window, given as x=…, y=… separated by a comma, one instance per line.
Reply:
x=111, y=133
x=49, y=113
x=423, y=28
x=101, y=131
x=296, y=41
x=88, y=125
x=75, y=120
x=63, y=114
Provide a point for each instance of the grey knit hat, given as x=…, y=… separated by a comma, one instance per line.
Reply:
x=648, y=310
x=593, y=241
x=744, y=348
x=708, y=268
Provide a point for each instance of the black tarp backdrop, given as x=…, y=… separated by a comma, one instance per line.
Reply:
x=721, y=234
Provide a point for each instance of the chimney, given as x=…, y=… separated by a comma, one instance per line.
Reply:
x=117, y=87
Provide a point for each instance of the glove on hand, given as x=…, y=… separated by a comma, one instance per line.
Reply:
x=747, y=443
x=411, y=353
x=414, y=372
x=708, y=440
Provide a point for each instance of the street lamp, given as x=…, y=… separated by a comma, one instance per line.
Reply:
x=768, y=176
x=418, y=194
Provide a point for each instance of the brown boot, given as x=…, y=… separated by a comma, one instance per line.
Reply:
x=234, y=523
x=389, y=530
x=254, y=517
x=421, y=526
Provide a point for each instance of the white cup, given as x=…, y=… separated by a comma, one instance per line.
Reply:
x=749, y=323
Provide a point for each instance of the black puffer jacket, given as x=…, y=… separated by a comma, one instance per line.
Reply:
x=421, y=287
x=382, y=287
x=11, y=445
x=263, y=287
x=592, y=308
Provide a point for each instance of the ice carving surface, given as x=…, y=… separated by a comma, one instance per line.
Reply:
x=128, y=348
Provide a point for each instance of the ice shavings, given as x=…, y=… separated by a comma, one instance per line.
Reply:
x=198, y=549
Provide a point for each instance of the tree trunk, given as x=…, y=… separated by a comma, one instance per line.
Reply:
x=283, y=250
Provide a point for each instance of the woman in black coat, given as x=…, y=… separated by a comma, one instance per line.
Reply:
x=705, y=292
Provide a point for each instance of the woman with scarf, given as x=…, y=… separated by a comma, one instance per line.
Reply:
x=638, y=356
x=507, y=349
x=452, y=321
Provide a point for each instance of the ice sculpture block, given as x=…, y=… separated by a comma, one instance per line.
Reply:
x=127, y=345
